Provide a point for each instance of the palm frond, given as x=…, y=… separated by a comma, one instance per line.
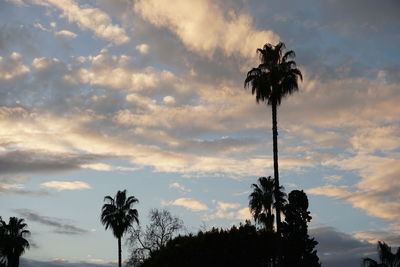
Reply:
x=275, y=77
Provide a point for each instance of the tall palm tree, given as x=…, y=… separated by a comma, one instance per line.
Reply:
x=263, y=199
x=13, y=240
x=275, y=78
x=387, y=258
x=119, y=215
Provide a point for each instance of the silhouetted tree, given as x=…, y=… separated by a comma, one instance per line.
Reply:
x=238, y=246
x=118, y=214
x=387, y=258
x=298, y=247
x=263, y=199
x=163, y=226
x=2, y=244
x=13, y=242
x=275, y=78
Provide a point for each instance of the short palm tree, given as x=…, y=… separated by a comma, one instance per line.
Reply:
x=263, y=199
x=387, y=258
x=275, y=78
x=13, y=240
x=118, y=215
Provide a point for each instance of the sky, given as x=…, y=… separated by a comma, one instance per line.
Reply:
x=98, y=96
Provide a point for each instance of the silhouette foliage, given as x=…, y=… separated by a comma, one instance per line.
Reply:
x=238, y=246
x=163, y=226
x=386, y=257
x=262, y=201
x=13, y=242
x=298, y=247
x=118, y=215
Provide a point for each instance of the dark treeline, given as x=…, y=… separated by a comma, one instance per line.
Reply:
x=248, y=245
x=239, y=246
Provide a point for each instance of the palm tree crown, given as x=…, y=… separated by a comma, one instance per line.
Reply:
x=118, y=215
x=275, y=77
x=13, y=242
x=262, y=200
x=387, y=258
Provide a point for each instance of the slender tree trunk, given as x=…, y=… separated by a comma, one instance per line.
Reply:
x=276, y=170
x=12, y=260
x=119, y=252
x=277, y=261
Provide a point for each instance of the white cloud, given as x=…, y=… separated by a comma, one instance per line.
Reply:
x=372, y=139
x=43, y=63
x=114, y=72
x=390, y=237
x=169, y=100
x=376, y=193
x=66, y=34
x=188, y=203
x=107, y=167
x=143, y=48
x=11, y=186
x=204, y=27
x=229, y=211
x=60, y=185
x=88, y=18
x=41, y=27
x=180, y=187
x=17, y=2
x=12, y=67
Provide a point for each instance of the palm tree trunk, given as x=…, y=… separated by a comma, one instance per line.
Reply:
x=276, y=170
x=119, y=252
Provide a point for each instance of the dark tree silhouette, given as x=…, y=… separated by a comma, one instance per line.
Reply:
x=263, y=199
x=387, y=258
x=237, y=247
x=275, y=78
x=162, y=228
x=298, y=246
x=118, y=214
x=12, y=240
x=2, y=244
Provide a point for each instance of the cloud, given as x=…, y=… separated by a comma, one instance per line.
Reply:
x=12, y=67
x=376, y=139
x=42, y=162
x=107, y=167
x=143, y=48
x=60, y=185
x=188, y=203
x=88, y=18
x=340, y=249
x=204, y=27
x=19, y=189
x=392, y=238
x=230, y=211
x=13, y=184
x=66, y=34
x=44, y=63
x=59, y=225
x=17, y=2
x=169, y=100
x=180, y=187
x=115, y=72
